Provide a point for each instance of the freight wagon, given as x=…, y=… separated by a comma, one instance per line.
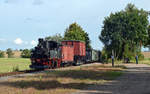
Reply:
x=93, y=55
x=76, y=54
x=50, y=54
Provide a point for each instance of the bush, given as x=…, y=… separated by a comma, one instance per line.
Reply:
x=141, y=56
x=15, y=69
x=2, y=54
x=26, y=53
x=104, y=56
x=9, y=53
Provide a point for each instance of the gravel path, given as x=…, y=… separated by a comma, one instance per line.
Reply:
x=135, y=80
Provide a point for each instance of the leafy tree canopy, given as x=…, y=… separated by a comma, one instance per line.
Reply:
x=75, y=32
x=125, y=31
x=148, y=41
x=26, y=53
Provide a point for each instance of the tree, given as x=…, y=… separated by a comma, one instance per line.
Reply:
x=147, y=44
x=2, y=54
x=75, y=32
x=56, y=37
x=9, y=52
x=125, y=31
x=26, y=53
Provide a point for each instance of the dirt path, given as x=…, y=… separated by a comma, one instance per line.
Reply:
x=135, y=80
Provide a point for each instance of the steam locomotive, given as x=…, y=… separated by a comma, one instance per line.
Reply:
x=51, y=54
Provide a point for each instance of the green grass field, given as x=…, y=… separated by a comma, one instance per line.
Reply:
x=9, y=64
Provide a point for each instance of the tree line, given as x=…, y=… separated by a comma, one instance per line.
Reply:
x=9, y=53
x=25, y=53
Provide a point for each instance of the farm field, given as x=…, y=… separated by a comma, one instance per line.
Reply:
x=10, y=64
x=61, y=81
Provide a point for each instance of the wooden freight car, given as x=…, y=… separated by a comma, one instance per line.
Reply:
x=78, y=53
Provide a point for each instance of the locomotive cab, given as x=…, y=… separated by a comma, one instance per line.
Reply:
x=47, y=54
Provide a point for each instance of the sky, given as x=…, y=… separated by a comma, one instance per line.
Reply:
x=22, y=22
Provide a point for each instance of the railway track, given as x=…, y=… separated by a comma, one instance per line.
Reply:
x=26, y=71
x=19, y=72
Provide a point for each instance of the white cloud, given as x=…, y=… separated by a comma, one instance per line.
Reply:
x=33, y=43
x=18, y=41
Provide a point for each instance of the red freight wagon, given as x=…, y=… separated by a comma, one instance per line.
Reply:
x=79, y=47
x=79, y=50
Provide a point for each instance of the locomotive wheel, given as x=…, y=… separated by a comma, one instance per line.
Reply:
x=79, y=62
x=50, y=67
x=74, y=63
x=54, y=65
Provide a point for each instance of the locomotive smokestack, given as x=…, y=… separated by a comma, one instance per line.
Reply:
x=41, y=40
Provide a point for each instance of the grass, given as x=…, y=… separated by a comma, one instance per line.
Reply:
x=145, y=61
x=9, y=64
x=61, y=81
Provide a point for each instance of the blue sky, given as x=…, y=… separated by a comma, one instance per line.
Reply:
x=22, y=22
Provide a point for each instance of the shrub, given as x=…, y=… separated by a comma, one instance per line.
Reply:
x=104, y=56
x=2, y=54
x=26, y=53
x=9, y=53
x=141, y=56
x=16, y=69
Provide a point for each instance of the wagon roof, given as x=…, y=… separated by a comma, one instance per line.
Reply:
x=73, y=40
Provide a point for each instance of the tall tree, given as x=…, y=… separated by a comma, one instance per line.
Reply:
x=75, y=32
x=125, y=31
x=147, y=44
